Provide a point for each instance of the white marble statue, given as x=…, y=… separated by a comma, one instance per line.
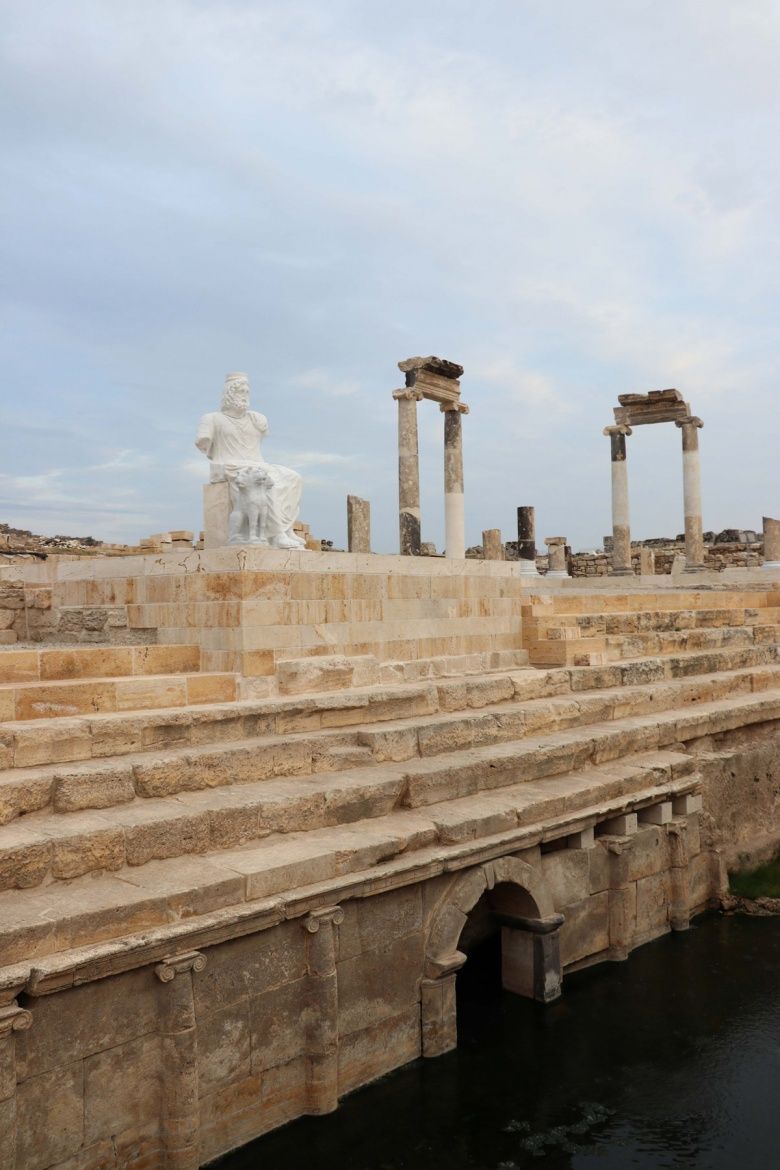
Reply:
x=231, y=438
x=248, y=523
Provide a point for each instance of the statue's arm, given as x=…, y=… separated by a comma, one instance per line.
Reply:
x=205, y=436
x=259, y=421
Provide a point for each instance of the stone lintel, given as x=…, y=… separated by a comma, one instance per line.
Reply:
x=651, y=397
x=434, y=365
x=534, y=925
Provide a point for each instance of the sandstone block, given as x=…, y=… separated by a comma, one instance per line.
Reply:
x=136, y=1067
x=58, y=1097
x=223, y=1047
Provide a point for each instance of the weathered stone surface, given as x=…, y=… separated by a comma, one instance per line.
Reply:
x=57, y=1097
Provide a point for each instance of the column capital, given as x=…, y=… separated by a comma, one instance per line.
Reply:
x=408, y=394
x=328, y=915
x=169, y=968
x=617, y=429
x=14, y=1019
x=460, y=407
x=693, y=421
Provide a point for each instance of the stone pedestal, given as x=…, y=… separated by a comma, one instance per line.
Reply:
x=694, y=538
x=556, y=551
x=358, y=525
x=526, y=540
x=771, y=543
x=216, y=514
x=408, y=472
x=531, y=957
x=646, y=562
x=492, y=547
x=454, y=516
x=621, y=527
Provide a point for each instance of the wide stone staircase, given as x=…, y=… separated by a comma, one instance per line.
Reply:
x=122, y=811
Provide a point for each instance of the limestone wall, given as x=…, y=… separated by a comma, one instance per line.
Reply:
x=249, y=608
x=242, y=1029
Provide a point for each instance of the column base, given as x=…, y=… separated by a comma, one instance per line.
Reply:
x=558, y=575
x=622, y=573
x=694, y=569
x=528, y=569
x=771, y=565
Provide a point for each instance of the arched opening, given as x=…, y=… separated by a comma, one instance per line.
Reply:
x=485, y=940
x=500, y=904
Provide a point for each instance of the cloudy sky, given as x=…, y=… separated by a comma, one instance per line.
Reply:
x=572, y=198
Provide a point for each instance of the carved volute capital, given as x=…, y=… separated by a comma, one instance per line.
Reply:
x=168, y=969
x=329, y=915
x=408, y=394
x=693, y=421
x=14, y=1019
x=460, y=407
x=617, y=429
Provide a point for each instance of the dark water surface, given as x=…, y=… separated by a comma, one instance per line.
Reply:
x=671, y=1059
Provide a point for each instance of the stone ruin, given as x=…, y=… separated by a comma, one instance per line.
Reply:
x=244, y=844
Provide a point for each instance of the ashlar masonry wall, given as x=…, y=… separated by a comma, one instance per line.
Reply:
x=158, y=1062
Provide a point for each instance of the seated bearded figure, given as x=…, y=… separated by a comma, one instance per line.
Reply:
x=231, y=438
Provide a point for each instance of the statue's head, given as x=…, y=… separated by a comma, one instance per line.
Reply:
x=235, y=396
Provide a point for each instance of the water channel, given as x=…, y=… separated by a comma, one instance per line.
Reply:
x=669, y=1061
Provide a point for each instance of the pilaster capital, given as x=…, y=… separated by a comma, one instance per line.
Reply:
x=617, y=429
x=168, y=969
x=693, y=421
x=329, y=915
x=441, y=967
x=14, y=1019
x=547, y=925
x=408, y=394
x=460, y=407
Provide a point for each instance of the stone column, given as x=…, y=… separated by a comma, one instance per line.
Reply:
x=12, y=1019
x=526, y=540
x=454, y=517
x=322, y=1034
x=531, y=956
x=556, y=553
x=622, y=900
x=694, y=538
x=621, y=528
x=680, y=896
x=358, y=525
x=179, y=1107
x=771, y=543
x=408, y=472
x=492, y=548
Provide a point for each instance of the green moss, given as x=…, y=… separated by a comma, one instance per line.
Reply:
x=763, y=882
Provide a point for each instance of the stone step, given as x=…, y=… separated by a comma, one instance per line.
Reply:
x=44, y=700
x=89, y=662
x=435, y=734
x=489, y=711
x=92, y=909
x=466, y=773
x=646, y=644
x=67, y=740
x=47, y=743
x=238, y=801
x=590, y=601
x=567, y=652
x=593, y=624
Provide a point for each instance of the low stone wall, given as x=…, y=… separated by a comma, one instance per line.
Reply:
x=250, y=608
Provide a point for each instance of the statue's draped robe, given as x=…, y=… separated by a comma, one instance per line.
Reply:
x=231, y=443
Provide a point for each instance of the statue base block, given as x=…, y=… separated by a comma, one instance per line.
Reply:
x=216, y=513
